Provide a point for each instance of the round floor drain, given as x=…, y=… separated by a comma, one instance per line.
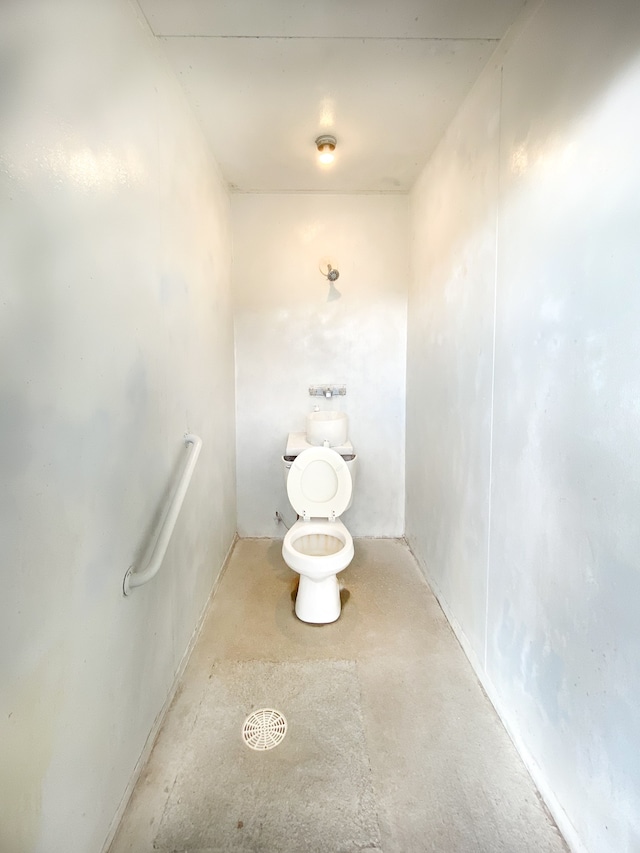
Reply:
x=264, y=729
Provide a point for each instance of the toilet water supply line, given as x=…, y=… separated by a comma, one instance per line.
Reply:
x=135, y=578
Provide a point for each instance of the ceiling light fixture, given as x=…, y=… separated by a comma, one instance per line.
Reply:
x=326, y=146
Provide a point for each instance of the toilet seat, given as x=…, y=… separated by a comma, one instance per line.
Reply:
x=319, y=484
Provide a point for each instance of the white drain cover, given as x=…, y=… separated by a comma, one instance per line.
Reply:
x=264, y=729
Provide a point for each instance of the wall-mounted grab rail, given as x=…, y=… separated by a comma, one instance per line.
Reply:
x=135, y=578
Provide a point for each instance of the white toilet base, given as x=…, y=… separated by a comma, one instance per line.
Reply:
x=318, y=601
x=318, y=550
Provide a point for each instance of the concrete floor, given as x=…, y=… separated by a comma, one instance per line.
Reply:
x=392, y=744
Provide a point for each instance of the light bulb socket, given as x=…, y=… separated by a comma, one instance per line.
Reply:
x=326, y=141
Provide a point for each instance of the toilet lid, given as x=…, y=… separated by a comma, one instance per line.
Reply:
x=319, y=483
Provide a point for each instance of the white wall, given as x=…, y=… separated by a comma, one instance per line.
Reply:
x=288, y=336
x=523, y=473
x=115, y=338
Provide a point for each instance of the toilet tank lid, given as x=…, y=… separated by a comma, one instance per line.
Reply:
x=297, y=442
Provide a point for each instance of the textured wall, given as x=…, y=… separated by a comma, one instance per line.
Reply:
x=523, y=474
x=450, y=357
x=289, y=336
x=116, y=337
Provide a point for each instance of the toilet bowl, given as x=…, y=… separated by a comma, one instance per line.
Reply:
x=318, y=545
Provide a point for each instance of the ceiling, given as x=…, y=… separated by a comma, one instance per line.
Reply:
x=385, y=77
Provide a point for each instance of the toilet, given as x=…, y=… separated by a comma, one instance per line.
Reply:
x=318, y=545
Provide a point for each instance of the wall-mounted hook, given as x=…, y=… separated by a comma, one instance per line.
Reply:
x=332, y=273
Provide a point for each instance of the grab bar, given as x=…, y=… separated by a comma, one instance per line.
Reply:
x=133, y=578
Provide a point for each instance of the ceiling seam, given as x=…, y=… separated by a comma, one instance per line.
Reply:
x=333, y=38
x=318, y=192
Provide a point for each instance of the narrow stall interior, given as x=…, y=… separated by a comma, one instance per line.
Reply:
x=320, y=411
